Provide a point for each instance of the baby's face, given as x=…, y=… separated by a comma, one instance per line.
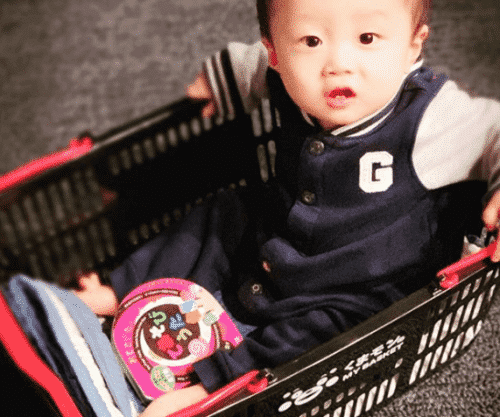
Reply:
x=342, y=60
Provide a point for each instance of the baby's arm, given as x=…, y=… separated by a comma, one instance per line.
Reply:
x=234, y=76
x=458, y=140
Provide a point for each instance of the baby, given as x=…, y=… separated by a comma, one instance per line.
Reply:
x=373, y=152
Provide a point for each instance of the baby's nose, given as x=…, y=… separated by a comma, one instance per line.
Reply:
x=339, y=60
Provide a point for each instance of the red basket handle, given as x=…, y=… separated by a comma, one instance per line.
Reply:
x=450, y=276
x=76, y=148
x=250, y=382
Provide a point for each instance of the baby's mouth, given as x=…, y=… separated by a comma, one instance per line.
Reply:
x=339, y=97
x=341, y=92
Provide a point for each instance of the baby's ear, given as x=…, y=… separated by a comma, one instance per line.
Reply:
x=417, y=43
x=271, y=53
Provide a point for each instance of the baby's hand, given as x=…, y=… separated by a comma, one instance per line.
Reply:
x=491, y=219
x=174, y=401
x=100, y=298
x=200, y=89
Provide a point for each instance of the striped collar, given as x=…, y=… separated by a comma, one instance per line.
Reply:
x=370, y=122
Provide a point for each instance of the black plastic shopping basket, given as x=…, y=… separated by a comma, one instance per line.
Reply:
x=91, y=205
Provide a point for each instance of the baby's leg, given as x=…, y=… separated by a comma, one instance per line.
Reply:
x=100, y=298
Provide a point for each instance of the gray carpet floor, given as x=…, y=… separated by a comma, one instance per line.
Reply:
x=68, y=66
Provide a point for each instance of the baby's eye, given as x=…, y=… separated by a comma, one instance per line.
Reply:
x=366, y=38
x=311, y=41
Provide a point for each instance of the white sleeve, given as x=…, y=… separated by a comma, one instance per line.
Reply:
x=458, y=139
x=237, y=77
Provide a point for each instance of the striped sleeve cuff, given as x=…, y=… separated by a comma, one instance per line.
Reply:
x=222, y=82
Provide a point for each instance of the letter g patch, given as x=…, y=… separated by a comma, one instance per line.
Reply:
x=375, y=171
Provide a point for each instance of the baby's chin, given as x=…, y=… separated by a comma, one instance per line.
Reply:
x=344, y=118
x=338, y=123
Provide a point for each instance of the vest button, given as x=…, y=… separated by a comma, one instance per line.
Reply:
x=316, y=147
x=256, y=289
x=308, y=197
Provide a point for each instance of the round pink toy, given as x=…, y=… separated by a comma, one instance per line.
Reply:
x=162, y=327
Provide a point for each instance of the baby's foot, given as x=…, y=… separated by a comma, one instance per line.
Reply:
x=100, y=298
